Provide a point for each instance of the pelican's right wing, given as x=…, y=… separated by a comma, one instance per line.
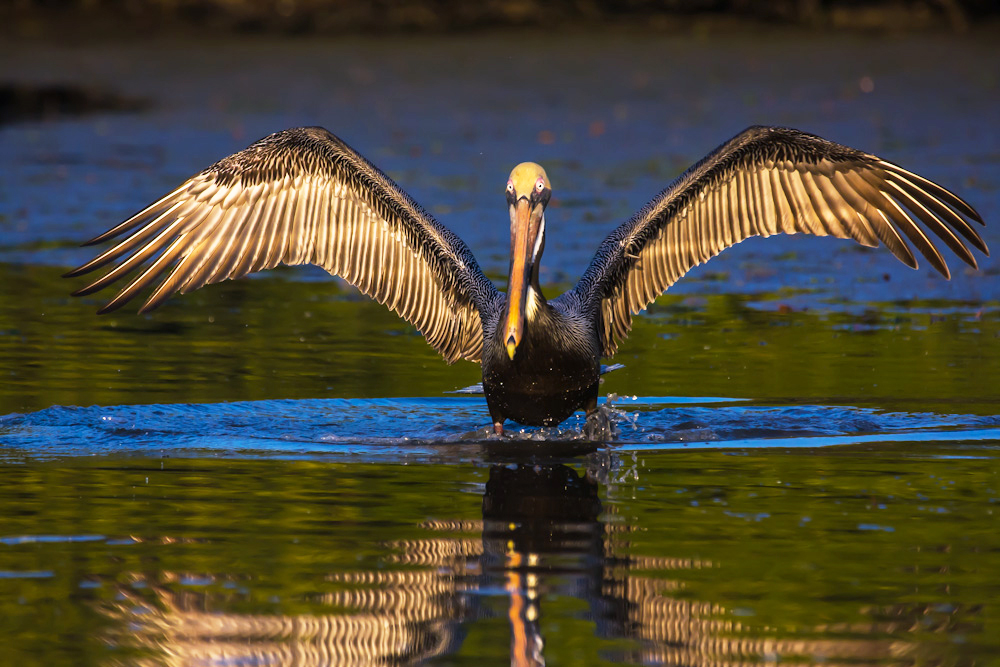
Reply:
x=764, y=181
x=302, y=196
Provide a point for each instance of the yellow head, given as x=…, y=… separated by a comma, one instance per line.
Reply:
x=526, y=179
x=528, y=191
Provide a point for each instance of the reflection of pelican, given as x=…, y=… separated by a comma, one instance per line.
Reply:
x=302, y=196
x=545, y=537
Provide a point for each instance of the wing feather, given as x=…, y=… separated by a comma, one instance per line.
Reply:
x=885, y=233
x=941, y=210
x=934, y=223
x=765, y=181
x=755, y=207
x=302, y=196
x=892, y=216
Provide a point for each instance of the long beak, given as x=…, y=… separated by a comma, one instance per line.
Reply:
x=525, y=225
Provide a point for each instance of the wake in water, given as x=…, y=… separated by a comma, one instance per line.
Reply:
x=404, y=429
x=602, y=427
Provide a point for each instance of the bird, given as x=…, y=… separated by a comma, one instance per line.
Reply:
x=303, y=196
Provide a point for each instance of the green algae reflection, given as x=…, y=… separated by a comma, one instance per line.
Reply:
x=274, y=337
x=834, y=555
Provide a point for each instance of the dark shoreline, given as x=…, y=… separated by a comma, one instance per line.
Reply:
x=74, y=21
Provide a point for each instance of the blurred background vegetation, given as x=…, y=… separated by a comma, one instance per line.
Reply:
x=40, y=18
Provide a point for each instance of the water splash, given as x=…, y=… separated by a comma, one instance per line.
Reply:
x=458, y=427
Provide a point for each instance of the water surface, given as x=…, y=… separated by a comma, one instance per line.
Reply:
x=273, y=471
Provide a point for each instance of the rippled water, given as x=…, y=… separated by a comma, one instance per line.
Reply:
x=878, y=553
x=414, y=429
x=806, y=462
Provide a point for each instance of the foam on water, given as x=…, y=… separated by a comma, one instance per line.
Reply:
x=426, y=428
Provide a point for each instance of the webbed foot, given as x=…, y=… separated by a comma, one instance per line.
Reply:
x=599, y=426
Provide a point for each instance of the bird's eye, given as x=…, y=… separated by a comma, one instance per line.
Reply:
x=510, y=186
x=540, y=185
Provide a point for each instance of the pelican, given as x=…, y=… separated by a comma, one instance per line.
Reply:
x=303, y=196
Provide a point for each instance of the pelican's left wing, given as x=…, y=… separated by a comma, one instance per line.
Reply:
x=302, y=196
x=764, y=181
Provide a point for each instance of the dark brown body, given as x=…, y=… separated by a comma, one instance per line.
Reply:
x=555, y=372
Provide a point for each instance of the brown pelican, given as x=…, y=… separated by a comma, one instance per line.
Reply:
x=303, y=196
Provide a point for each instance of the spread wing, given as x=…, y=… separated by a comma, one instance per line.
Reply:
x=764, y=181
x=302, y=196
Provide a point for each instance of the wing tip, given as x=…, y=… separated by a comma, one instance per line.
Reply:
x=976, y=217
x=160, y=296
x=100, y=238
x=109, y=307
x=118, y=302
x=904, y=254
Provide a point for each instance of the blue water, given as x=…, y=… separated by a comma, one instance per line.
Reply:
x=272, y=471
x=458, y=428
